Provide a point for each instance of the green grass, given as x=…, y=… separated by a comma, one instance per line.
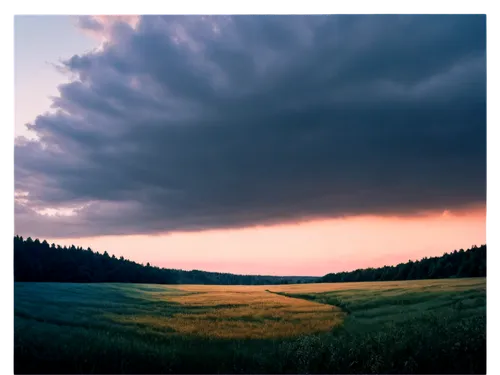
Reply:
x=431, y=326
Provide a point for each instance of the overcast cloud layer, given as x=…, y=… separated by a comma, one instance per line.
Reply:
x=189, y=123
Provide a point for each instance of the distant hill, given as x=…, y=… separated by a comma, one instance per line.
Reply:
x=39, y=261
x=469, y=263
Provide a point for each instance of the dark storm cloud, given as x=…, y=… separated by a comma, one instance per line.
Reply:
x=188, y=123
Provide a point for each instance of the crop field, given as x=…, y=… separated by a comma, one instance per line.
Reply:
x=427, y=326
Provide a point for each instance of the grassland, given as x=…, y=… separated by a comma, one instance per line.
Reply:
x=428, y=326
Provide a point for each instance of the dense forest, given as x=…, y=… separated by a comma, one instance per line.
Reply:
x=39, y=261
x=469, y=263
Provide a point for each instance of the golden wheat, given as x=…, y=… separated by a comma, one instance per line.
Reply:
x=238, y=312
x=257, y=312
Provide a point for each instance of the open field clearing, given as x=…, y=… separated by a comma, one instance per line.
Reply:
x=428, y=326
x=237, y=312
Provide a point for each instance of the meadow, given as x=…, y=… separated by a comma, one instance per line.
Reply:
x=424, y=326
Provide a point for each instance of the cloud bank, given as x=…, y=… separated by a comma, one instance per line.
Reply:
x=187, y=123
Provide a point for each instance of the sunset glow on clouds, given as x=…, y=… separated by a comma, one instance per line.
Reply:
x=309, y=248
x=271, y=145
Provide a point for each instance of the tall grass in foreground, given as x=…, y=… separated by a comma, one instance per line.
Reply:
x=420, y=327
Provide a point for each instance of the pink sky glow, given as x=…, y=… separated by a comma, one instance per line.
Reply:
x=310, y=248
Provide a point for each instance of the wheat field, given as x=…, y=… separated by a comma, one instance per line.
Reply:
x=238, y=312
x=428, y=326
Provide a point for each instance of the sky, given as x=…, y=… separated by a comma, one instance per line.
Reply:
x=287, y=145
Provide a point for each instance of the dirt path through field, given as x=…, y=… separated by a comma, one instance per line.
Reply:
x=313, y=298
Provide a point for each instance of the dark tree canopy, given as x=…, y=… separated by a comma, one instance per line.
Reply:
x=35, y=261
x=39, y=261
x=470, y=263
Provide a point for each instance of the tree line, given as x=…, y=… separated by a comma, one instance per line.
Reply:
x=39, y=261
x=461, y=263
